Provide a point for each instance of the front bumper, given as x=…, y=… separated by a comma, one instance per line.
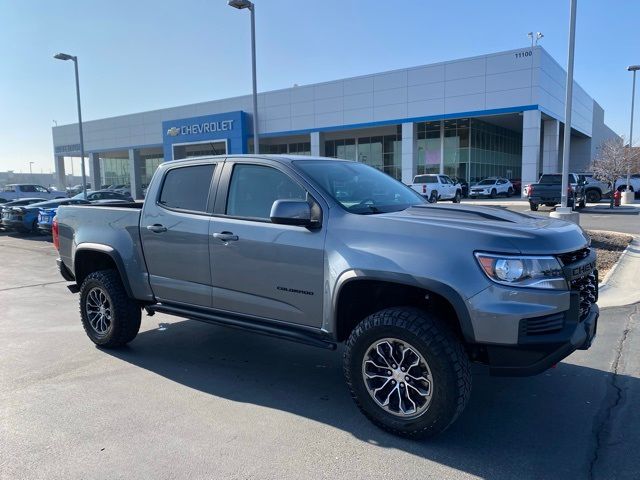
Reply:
x=534, y=357
x=525, y=332
x=13, y=224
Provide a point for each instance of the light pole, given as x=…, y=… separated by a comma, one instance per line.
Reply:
x=31, y=170
x=241, y=5
x=64, y=56
x=563, y=212
x=568, y=101
x=634, y=69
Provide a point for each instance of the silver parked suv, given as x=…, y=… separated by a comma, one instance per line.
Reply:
x=324, y=251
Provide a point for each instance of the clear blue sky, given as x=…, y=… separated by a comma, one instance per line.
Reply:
x=138, y=55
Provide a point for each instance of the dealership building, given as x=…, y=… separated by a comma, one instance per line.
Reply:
x=500, y=114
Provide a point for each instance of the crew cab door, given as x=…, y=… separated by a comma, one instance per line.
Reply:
x=261, y=269
x=445, y=185
x=175, y=233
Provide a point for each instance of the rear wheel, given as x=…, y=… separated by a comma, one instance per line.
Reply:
x=407, y=372
x=493, y=193
x=533, y=207
x=593, y=196
x=433, y=198
x=510, y=192
x=109, y=317
x=457, y=197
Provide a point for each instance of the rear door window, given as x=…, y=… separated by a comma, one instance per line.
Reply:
x=187, y=188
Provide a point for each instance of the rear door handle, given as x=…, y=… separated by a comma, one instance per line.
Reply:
x=226, y=236
x=157, y=228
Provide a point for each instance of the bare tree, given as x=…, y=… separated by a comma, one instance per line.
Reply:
x=613, y=160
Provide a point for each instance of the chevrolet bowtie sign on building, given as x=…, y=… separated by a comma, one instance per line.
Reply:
x=216, y=134
x=199, y=128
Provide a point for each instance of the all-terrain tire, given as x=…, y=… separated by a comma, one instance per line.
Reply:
x=593, y=196
x=125, y=314
x=441, y=350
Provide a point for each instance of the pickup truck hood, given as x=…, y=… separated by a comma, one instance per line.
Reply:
x=530, y=234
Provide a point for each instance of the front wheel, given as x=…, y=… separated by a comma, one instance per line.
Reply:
x=407, y=372
x=493, y=193
x=109, y=317
x=510, y=192
x=457, y=197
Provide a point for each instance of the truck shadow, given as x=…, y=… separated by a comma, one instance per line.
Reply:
x=536, y=427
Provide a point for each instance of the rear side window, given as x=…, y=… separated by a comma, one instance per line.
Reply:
x=254, y=188
x=187, y=188
x=425, y=179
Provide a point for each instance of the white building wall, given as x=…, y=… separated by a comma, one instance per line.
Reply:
x=487, y=82
x=531, y=133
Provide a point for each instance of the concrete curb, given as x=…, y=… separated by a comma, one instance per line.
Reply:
x=620, y=286
x=615, y=265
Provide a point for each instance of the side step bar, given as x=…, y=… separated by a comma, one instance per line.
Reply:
x=271, y=329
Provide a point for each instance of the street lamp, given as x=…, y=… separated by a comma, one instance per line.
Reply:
x=241, y=5
x=634, y=69
x=31, y=170
x=64, y=56
x=563, y=212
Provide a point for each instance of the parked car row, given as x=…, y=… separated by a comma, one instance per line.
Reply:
x=435, y=187
x=35, y=214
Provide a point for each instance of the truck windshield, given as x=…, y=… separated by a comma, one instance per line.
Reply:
x=359, y=188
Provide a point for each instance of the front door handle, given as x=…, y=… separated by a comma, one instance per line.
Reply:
x=226, y=236
x=157, y=228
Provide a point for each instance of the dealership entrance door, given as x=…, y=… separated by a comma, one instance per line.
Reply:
x=188, y=150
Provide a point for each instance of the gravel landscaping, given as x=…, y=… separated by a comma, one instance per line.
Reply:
x=609, y=247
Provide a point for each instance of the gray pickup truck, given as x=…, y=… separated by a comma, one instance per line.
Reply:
x=548, y=191
x=323, y=252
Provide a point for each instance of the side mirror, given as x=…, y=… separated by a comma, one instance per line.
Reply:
x=291, y=212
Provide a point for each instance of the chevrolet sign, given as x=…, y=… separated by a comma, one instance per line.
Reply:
x=200, y=128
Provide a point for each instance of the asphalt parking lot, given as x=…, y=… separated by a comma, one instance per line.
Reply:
x=596, y=216
x=189, y=400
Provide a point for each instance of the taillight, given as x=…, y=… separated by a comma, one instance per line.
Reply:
x=529, y=190
x=54, y=233
x=424, y=189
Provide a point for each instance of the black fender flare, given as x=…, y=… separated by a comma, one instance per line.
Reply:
x=110, y=252
x=435, y=286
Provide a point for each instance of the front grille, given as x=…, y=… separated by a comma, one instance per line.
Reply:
x=587, y=288
x=542, y=325
x=567, y=258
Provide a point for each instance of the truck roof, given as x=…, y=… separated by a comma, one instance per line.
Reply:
x=284, y=158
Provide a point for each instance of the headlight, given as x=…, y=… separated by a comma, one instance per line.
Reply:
x=523, y=271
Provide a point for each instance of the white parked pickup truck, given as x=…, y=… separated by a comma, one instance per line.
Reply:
x=436, y=187
x=17, y=191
